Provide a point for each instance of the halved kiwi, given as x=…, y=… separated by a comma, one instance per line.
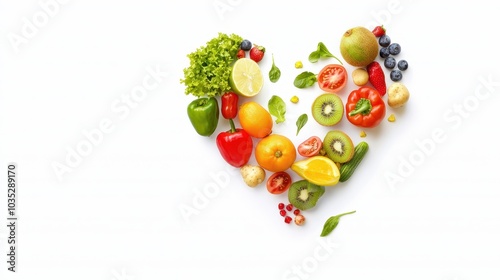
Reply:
x=304, y=195
x=328, y=109
x=338, y=146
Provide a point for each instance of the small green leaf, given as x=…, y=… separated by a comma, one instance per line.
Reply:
x=277, y=108
x=274, y=73
x=332, y=223
x=323, y=52
x=301, y=121
x=305, y=79
x=314, y=56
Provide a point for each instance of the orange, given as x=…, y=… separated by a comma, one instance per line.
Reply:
x=255, y=119
x=318, y=170
x=275, y=153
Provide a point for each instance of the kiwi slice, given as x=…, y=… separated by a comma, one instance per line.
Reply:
x=338, y=146
x=328, y=109
x=304, y=195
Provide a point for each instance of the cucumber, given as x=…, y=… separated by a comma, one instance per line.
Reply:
x=347, y=169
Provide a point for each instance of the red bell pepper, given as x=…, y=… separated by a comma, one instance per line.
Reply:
x=229, y=107
x=365, y=107
x=235, y=145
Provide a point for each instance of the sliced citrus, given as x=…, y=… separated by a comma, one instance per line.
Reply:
x=246, y=77
x=318, y=170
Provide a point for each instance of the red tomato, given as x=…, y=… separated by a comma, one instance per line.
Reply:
x=332, y=78
x=310, y=147
x=279, y=182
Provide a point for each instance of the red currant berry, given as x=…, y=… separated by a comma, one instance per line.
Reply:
x=283, y=212
x=281, y=206
x=288, y=219
x=289, y=207
x=296, y=212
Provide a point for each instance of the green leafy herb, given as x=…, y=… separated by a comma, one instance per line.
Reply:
x=332, y=223
x=301, y=121
x=321, y=52
x=314, y=56
x=305, y=79
x=274, y=73
x=210, y=66
x=277, y=108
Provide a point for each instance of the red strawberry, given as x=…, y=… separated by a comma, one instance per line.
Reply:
x=376, y=77
x=378, y=31
x=257, y=53
x=240, y=54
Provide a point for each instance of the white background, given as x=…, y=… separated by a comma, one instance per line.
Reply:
x=117, y=215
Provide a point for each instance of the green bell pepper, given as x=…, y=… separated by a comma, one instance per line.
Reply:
x=204, y=115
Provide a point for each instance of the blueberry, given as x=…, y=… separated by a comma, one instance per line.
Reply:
x=390, y=62
x=396, y=75
x=402, y=65
x=394, y=49
x=246, y=45
x=384, y=41
x=384, y=52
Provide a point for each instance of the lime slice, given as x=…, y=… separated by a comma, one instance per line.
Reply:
x=246, y=78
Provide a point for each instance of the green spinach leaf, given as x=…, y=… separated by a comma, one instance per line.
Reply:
x=301, y=121
x=321, y=52
x=277, y=108
x=332, y=223
x=274, y=73
x=305, y=79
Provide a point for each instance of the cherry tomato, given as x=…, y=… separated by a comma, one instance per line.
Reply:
x=310, y=147
x=332, y=78
x=279, y=182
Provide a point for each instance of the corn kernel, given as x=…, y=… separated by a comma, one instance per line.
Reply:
x=298, y=64
x=362, y=134
x=294, y=99
x=392, y=118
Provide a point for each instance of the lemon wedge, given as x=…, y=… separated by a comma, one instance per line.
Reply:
x=318, y=170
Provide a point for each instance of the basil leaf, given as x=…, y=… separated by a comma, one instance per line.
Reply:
x=321, y=52
x=332, y=223
x=305, y=79
x=274, y=73
x=277, y=108
x=301, y=121
x=314, y=56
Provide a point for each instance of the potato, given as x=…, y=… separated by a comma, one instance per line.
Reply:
x=252, y=175
x=398, y=95
x=360, y=76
